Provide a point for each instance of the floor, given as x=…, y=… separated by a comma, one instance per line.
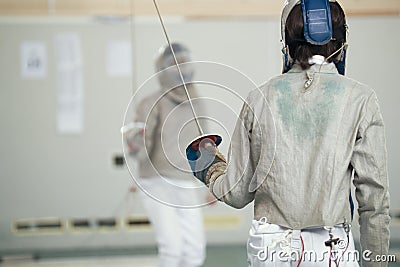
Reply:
x=217, y=256
x=117, y=261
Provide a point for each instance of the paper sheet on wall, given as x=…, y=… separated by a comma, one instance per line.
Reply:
x=69, y=84
x=33, y=60
x=119, y=58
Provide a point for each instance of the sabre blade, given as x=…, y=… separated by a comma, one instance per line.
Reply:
x=179, y=69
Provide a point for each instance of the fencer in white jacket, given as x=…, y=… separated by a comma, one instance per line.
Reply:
x=300, y=141
x=169, y=191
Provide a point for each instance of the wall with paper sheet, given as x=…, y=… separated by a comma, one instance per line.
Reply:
x=64, y=187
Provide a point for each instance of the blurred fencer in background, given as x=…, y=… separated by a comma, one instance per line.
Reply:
x=328, y=129
x=163, y=177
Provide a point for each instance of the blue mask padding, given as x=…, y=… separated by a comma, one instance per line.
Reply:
x=341, y=65
x=317, y=21
x=287, y=66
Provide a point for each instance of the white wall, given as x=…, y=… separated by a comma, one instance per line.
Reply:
x=45, y=174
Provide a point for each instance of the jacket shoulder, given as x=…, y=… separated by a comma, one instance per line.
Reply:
x=356, y=86
x=262, y=91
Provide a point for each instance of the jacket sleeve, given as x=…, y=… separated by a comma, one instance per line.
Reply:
x=371, y=182
x=141, y=141
x=233, y=186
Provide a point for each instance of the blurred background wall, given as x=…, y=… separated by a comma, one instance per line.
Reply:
x=67, y=74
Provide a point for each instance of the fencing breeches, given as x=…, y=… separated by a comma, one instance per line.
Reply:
x=273, y=245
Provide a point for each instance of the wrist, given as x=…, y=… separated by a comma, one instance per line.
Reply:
x=215, y=171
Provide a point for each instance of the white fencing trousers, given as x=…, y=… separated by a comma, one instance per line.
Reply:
x=273, y=245
x=179, y=231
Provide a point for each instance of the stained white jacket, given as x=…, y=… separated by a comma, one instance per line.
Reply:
x=169, y=128
x=294, y=150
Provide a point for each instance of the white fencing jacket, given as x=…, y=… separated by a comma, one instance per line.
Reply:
x=294, y=150
x=169, y=128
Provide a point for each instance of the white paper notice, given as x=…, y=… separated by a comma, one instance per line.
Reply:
x=69, y=84
x=119, y=58
x=33, y=60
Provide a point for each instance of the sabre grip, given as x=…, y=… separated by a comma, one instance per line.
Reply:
x=206, y=162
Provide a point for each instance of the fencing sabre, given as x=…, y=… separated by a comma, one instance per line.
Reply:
x=216, y=138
